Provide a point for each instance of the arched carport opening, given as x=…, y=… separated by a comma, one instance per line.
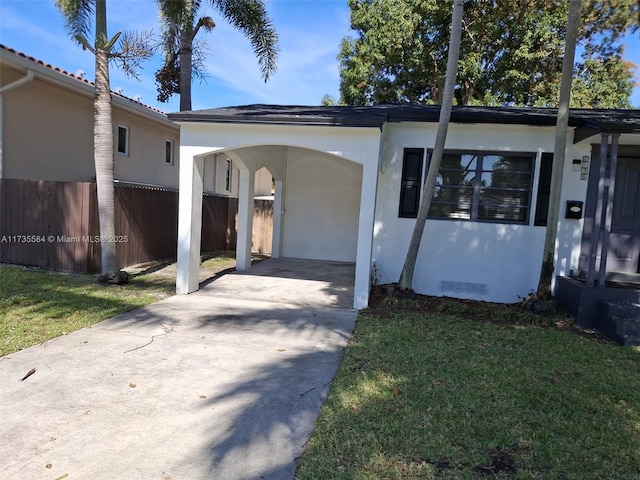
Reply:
x=316, y=201
x=325, y=181
x=317, y=209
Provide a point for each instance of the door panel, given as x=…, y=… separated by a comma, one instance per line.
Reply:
x=624, y=239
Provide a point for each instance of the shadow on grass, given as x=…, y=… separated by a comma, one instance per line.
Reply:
x=37, y=305
x=441, y=397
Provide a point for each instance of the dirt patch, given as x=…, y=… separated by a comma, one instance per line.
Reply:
x=501, y=462
x=384, y=302
x=212, y=265
x=168, y=269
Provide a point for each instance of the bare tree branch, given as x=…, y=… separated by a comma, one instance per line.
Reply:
x=133, y=49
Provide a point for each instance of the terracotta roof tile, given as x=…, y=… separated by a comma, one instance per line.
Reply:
x=71, y=75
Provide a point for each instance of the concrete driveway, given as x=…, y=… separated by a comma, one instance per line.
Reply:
x=225, y=383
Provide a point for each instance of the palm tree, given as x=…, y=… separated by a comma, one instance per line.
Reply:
x=182, y=57
x=406, y=277
x=562, y=123
x=79, y=17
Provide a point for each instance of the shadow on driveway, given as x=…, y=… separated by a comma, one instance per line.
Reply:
x=200, y=386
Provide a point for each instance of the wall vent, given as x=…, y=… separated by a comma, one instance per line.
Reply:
x=464, y=287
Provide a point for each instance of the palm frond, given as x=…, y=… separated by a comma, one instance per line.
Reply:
x=182, y=13
x=79, y=16
x=250, y=17
x=177, y=17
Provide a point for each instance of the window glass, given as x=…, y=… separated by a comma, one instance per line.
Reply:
x=503, y=162
x=484, y=186
x=227, y=177
x=505, y=178
x=123, y=140
x=168, y=152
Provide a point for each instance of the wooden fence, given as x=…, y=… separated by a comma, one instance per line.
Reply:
x=55, y=224
x=262, y=226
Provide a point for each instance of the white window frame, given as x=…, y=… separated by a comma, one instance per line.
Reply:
x=124, y=152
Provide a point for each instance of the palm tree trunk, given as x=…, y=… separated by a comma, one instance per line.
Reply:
x=103, y=146
x=562, y=123
x=406, y=277
x=186, y=51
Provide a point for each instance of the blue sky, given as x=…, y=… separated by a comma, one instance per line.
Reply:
x=310, y=32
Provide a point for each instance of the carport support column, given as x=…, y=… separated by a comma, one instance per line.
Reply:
x=189, y=224
x=245, y=219
x=276, y=238
x=365, y=235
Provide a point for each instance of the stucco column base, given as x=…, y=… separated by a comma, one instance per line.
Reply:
x=189, y=224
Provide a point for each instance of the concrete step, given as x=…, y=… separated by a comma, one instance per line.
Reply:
x=620, y=321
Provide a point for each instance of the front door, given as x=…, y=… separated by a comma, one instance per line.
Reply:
x=624, y=239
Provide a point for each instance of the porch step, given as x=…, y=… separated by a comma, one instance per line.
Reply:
x=615, y=278
x=621, y=322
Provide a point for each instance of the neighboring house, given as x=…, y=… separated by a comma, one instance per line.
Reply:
x=347, y=184
x=47, y=166
x=221, y=177
x=47, y=128
x=47, y=132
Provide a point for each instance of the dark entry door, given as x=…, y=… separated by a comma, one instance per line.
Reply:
x=624, y=240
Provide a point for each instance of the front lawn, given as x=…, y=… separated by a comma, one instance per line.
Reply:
x=37, y=305
x=474, y=391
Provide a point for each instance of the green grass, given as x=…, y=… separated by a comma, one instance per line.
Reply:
x=448, y=396
x=37, y=305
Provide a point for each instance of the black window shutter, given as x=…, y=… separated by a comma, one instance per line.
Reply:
x=411, y=182
x=544, y=188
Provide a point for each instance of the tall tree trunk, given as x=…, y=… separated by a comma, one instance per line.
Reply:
x=406, y=277
x=103, y=146
x=186, y=52
x=562, y=123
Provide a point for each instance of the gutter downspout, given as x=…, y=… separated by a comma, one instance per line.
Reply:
x=18, y=83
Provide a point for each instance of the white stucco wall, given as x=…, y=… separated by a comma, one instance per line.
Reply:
x=485, y=261
x=214, y=177
x=264, y=183
x=321, y=206
x=326, y=181
x=326, y=212
x=321, y=169
x=570, y=231
x=358, y=144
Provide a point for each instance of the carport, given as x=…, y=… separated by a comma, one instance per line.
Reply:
x=325, y=167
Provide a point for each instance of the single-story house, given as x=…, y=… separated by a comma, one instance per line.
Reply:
x=46, y=129
x=347, y=183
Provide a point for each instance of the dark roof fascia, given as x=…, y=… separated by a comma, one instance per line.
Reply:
x=608, y=127
x=622, y=121
x=235, y=119
x=286, y=115
x=609, y=121
x=372, y=116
